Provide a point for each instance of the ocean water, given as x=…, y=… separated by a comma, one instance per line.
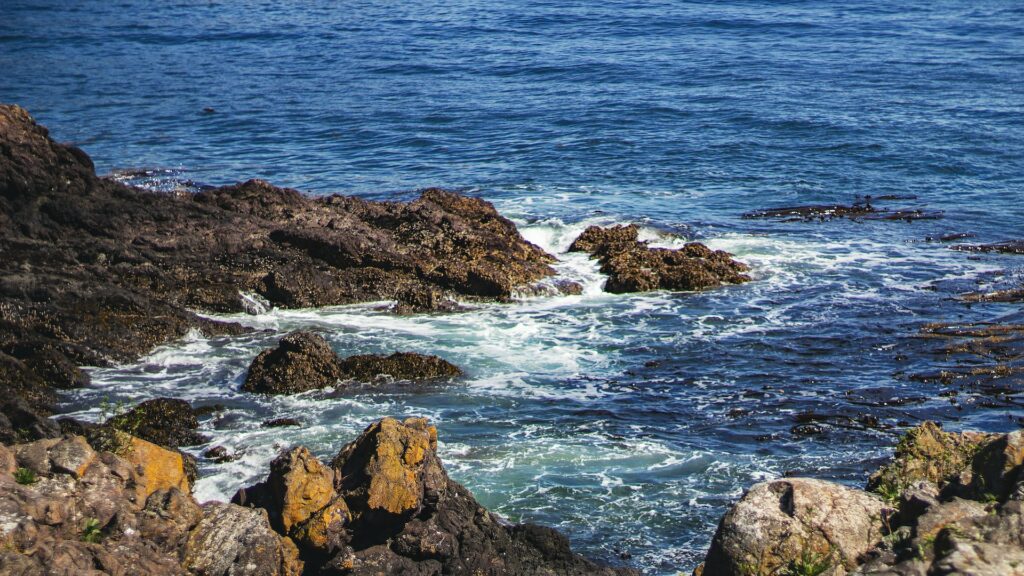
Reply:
x=629, y=421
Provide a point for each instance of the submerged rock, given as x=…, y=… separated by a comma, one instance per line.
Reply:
x=386, y=506
x=301, y=362
x=633, y=266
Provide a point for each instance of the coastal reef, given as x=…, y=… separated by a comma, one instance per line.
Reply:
x=95, y=272
x=383, y=505
x=947, y=503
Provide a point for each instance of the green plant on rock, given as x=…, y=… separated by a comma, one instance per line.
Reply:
x=92, y=532
x=25, y=476
x=889, y=490
x=810, y=563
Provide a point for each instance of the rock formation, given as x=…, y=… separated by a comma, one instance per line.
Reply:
x=948, y=503
x=94, y=272
x=633, y=266
x=385, y=505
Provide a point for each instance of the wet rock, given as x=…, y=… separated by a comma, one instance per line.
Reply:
x=861, y=210
x=165, y=421
x=219, y=454
x=633, y=266
x=281, y=422
x=1008, y=247
x=231, y=540
x=301, y=362
x=399, y=366
x=785, y=522
x=19, y=422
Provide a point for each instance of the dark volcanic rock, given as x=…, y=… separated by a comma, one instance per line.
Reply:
x=164, y=421
x=94, y=271
x=1008, y=247
x=281, y=422
x=861, y=210
x=304, y=361
x=387, y=506
x=400, y=366
x=301, y=362
x=633, y=266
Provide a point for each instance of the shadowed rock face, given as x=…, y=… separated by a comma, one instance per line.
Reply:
x=633, y=266
x=393, y=510
x=93, y=271
x=400, y=366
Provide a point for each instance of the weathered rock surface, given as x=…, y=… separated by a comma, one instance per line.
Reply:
x=93, y=271
x=390, y=508
x=633, y=266
x=66, y=508
x=958, y=503
x=779, y=523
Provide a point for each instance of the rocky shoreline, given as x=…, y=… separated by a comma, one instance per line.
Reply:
x=96, y=272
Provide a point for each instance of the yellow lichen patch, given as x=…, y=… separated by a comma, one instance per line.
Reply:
x=308, y=487
x=400, y=450
x=157, y=468
x=315, y=532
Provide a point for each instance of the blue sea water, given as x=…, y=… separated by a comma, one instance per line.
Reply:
x=630, y=422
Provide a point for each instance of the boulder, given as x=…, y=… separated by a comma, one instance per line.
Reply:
x=785, y=524
x=399, y=366
x=236, y=541
x=633, y=266
x=156, y=468
x=165, y=421
x=301, y=362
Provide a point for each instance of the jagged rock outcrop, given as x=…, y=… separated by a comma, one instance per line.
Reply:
x=390, y=508
x=94, y=272
x=304, y=361
x=633, y=266
x=954, y=505
x=66, y=508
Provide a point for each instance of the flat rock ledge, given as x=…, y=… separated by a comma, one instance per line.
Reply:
x=383, y=505
x=948, y=503
x=633, y=266
x=94, y=272
x=304, y=361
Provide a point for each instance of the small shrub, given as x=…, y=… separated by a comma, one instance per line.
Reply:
x=25, y=476
x=91, y=532
x=810, y=563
